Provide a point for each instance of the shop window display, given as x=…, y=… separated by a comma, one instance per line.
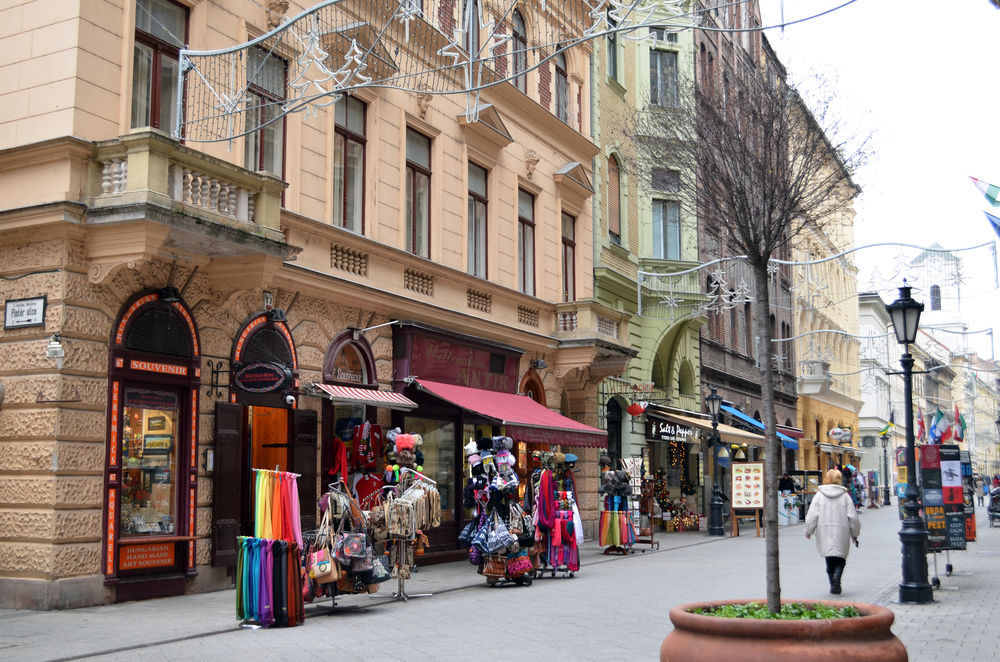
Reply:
x=438, y=458
x=149, y=449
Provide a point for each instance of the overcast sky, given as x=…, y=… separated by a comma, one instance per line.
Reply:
x=922, y=78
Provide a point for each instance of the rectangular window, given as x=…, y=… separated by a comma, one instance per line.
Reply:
x=568, y=257
x=666, y=230
x=663, y=77
x=562, y=88
x=349, y=164
x=477, y=220
x=612, y=45
x=160, y=33
x=264, y=146
x=526, y=242
x=149, y=462
x=418, y=193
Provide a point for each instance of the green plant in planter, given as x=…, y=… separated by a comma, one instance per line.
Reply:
x=792, y=611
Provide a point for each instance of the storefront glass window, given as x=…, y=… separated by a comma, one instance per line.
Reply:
x=149, y=451
x=439, y=458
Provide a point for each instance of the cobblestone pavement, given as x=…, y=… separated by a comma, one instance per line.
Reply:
x=615, y=608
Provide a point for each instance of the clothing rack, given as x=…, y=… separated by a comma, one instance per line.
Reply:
x=278, y=471
x=418, y=474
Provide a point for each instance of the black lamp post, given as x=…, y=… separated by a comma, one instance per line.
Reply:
x=714, y=401
x=905, y=315
x=885, y=462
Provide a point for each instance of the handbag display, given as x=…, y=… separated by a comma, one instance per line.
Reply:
x=321, y=566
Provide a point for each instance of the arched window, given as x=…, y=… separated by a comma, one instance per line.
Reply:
x=562, y=88
x=935, y=297
x=614, y=200
x=472, y=36
x=519, y=37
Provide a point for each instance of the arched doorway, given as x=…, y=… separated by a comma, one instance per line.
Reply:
x=151, y=468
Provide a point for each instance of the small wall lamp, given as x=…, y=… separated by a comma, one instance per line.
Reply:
x=54, y=350
x=539, y=364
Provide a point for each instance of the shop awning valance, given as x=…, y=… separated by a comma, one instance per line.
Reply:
x=727, y=433
x=837, y=450
x=524, y=419
x=786, y=441
x=367, y=396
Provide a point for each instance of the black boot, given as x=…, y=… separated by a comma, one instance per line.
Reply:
x=835, y=579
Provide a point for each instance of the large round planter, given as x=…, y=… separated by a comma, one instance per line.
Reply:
x=863, y=638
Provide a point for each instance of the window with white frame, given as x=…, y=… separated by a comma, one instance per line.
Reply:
x=349, y=164
x=663, y=82
x=418, y=193
x=519, y=46
x=160, y=33
x=562, y=88
x=568, y=257
x=478, y=202
x=264, y=145
x=612, y=45
x=666, y=229
x=525, y=242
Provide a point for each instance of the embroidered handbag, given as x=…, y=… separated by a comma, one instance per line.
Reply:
x=379, y=572
x=322, y=568
x=495, y=565
x=475, y=555
x=519, y=564
x=364, y=563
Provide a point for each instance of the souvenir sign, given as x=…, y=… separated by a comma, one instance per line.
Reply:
x=748, y=485
x=262, y=377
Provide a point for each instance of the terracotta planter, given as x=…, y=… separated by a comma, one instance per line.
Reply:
x=867, y=637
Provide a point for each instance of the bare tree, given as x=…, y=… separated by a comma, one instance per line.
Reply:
x=767, y=170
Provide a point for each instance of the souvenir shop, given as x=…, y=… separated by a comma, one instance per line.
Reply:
x=677, y=465
x=466, y=390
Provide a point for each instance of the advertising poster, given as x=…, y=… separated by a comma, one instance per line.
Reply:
x=937, y=527
x=748, y=485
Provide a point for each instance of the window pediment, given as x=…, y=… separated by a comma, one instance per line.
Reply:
x=488, y=127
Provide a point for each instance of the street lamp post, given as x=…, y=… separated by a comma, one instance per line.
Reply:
x=885, y=464
x=714, y=401
x=905, y=315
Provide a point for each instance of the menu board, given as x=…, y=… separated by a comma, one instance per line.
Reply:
x=748, y=485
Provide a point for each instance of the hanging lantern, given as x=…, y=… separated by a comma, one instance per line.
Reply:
x=635, y=409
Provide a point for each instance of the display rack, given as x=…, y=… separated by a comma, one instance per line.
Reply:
x=645, y=531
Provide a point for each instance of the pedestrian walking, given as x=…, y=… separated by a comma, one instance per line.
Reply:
x=980, y=485
x=834, y=519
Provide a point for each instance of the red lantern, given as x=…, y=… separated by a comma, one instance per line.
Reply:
x=635, y=409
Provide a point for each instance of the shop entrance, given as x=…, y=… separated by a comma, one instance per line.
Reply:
x=267, y=429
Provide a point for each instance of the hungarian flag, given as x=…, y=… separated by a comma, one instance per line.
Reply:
x=959, y=425
x=921, y=430
x=936, y=429
x=991, y=192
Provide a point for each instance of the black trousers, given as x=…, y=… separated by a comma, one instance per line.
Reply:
x=834, y=562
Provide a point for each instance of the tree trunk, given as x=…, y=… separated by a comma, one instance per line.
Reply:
x=771, y=570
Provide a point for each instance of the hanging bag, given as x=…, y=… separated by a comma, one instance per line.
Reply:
x=499, y=537
x=495, y=565
x=320, y=565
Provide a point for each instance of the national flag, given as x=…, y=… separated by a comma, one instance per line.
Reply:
x=891, y=424
x=994, y=221
x=991, y=192
x=945, y=434
x=935, y=429
x=959, y=425
x=921, y=429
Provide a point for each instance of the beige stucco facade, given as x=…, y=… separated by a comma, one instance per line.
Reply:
x=95, y=213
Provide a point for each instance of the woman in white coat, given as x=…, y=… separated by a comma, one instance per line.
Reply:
x=834, y=519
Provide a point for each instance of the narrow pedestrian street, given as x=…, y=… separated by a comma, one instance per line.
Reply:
x=615, y=608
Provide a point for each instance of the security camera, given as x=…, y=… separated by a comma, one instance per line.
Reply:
x=289, y=400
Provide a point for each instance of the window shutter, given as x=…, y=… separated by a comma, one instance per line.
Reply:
x=614, y=197
x=304, y=464
x=227, y=488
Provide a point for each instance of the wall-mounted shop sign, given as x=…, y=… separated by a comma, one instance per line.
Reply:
x=262, y=377
x=662, y=430
x=134, y=557
x=19, y=313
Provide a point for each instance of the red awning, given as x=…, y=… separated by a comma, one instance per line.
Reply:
x=524, y=419
x=367, y=396
x=794, y=433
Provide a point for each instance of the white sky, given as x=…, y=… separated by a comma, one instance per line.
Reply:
x=922, y=77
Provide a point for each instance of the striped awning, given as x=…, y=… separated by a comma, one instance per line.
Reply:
x=367, y=396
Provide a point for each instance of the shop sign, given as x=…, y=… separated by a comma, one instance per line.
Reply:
x=19, y=313
x=261, y=377
x=134, y=557
x=659, y=429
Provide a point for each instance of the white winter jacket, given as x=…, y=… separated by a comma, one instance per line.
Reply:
x=834, y=519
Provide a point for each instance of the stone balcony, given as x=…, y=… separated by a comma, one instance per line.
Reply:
x=592, y=336
x=151, y=196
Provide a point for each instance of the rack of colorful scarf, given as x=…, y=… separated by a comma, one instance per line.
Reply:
x=413, y=506
x=558, y=528
x=499, y=534
x=268, y=566
x=616, y=532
